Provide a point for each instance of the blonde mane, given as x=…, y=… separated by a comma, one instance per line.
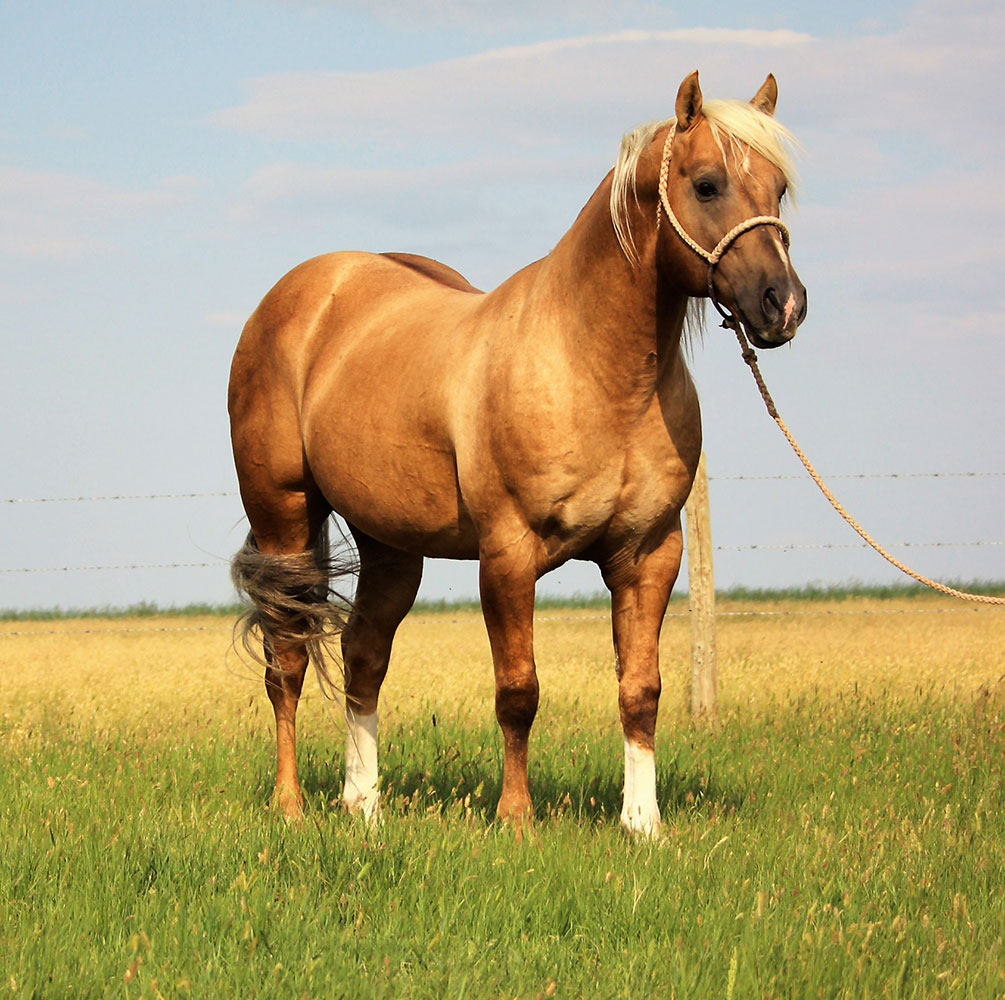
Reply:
x=734, y=125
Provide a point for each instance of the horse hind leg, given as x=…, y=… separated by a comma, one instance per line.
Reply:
x=388, y=582
x=284, y=569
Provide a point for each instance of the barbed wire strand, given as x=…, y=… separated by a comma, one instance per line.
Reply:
x=860, y=475
x=118, y=496
x=124, y=566
x=232, y=494
x=805, y=546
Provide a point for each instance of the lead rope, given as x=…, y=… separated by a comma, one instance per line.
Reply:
x=751, y=359
x=731, y=323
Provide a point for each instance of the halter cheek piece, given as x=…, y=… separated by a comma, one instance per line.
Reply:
x=728, y=319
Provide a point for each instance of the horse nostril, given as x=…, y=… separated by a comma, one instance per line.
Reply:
x=770, y=305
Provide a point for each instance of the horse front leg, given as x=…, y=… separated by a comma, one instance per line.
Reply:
x=639, y=597
x=507, y=578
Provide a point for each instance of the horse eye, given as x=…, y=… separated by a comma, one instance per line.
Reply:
x=705, y=190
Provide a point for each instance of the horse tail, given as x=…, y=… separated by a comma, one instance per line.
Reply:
x=292, y=603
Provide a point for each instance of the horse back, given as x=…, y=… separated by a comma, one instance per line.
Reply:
x=333, y=295
x=440, y=273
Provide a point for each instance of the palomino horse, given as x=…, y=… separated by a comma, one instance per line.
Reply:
x=550, y=419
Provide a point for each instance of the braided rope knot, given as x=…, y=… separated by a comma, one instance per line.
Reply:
x=748, y=355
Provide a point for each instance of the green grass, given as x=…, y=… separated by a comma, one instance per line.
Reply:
x=854, y=848
x=145, y=609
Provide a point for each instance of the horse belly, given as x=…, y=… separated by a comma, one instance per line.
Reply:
x=413, y=518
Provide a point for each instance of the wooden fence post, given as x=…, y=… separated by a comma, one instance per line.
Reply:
x=701, y=584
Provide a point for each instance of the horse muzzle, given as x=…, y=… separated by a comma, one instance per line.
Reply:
x=773, y=318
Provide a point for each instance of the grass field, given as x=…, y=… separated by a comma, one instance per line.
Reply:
x=842, y=833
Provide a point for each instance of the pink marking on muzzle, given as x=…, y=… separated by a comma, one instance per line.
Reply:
x=790, y=305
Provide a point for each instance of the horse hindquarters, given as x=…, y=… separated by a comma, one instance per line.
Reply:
x=285, y=566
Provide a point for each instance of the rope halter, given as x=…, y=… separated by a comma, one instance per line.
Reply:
x=714, y=256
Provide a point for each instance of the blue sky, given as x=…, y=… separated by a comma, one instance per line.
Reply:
x=161, y=165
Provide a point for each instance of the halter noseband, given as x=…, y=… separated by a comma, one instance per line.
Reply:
x=713, y=257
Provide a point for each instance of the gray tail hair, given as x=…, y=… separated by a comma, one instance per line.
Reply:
x=293, y=603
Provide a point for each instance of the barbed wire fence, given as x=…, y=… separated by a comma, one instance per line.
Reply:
x=38, y=628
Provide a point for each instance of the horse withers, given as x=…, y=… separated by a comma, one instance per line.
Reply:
x=550, y=419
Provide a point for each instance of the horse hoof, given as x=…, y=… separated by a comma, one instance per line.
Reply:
x=519, y=816
x=366, y=807
x=642, y=827
x=289, y=804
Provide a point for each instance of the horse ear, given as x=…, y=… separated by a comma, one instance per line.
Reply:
x=688, y=105
x=764, y=100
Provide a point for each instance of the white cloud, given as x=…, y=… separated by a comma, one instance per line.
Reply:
x=489, y=16
x=529, y=95
x=922, y=77
x=743, y=37
x=50, y=215
x=294, y=182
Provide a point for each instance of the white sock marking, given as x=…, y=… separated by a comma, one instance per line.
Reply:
x=361, y=792
x=640, y=812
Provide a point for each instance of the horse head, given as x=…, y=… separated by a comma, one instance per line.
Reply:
x=725, y=170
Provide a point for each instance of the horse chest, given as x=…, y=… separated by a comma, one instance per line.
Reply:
x=658, y=471
x=623, y=492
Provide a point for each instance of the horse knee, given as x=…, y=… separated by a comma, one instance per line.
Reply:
x=284, y=684
x=365, y=668
x=639, y=701
x=516, y=700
